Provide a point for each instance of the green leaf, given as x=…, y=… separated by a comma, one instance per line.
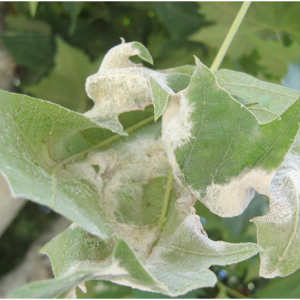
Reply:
x=122, y=86
x=123, y=267
x=160, y=97
x=65, y=83
x=21, y=23
x=160, y=91
x=32, y=50
x=178, y=82
x=265, y=100
x=73, y=9
x=279, y=245
x=187, y=69
x=218, y=149
x=278, y=232
x=35, y=135
x=180, y=18
x=134, y=173
x=281, y=288
x=263, y=20
x=274, y=57
x=183, y=252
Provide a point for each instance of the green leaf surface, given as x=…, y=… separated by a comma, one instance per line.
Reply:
x=280, y=288
x=183, y=252
x=217, y=147
x=263, y=20
x=160, y=97
x=187, y=69
x=275, y=57
x=123, y=267
x=65, y=84
x=180, y=18
x=32, y=50
x=73, y=9
x=265, y=100
x=21, y=23
x=134, y=173
x=278, y=232
x=35, y=136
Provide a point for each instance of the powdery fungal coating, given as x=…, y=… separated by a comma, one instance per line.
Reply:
x=176, y=129
x=229, y=200
x=120, y=85
x=124, y=172
x=115, y=91
x=279, y=230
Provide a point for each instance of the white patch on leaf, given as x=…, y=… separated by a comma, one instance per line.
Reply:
x=278, y=230
x=120, y=85
x=229, y=200
x=176, y=129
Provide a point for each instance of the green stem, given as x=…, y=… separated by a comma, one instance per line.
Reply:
x=230, y=291
x=231, y=33
x=166, y=200
x=101, y=144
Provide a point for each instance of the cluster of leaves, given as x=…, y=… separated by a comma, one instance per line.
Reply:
x=133, y=225
x=64, y=133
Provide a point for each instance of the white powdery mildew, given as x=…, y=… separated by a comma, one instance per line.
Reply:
x=116, y=91
x=118, y=57
x=284, y=190
x=229, y=200
x=284, y=213
x=176, y=128
x=120, y=85
x=125, y=170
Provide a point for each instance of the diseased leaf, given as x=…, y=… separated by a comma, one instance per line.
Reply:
x=187, y=69
x=35, y=135
x=279, y=231
x=265, y=100
x=218, y=149
x=183, y=253
x=123, y=267
x=135, y=173
x=65, y=83
x=121, y=86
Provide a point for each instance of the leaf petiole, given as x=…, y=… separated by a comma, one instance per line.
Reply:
x=230, y=35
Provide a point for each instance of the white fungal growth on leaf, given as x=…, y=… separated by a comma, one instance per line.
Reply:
x=229, y=200
x=279, y=230
x=120, y=85
x=176, y=129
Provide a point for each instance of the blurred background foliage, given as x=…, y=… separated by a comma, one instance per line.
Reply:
x=56, y=45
